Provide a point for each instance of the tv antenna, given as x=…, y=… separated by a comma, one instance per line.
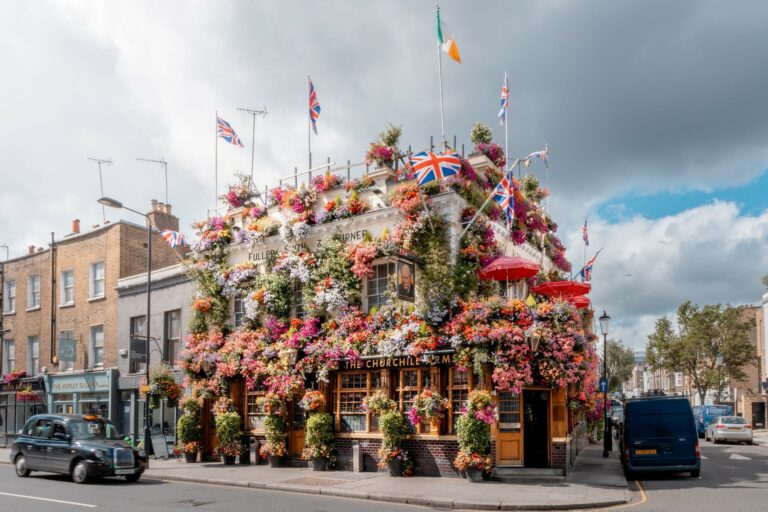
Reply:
x=253, y=113
x=165, y=167
x=100, y=161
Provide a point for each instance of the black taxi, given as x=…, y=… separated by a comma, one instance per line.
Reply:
x=81, y=446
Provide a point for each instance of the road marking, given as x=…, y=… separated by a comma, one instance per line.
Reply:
x=704, y=457
x=48, y=499
x=736, y=456
x=643, y=499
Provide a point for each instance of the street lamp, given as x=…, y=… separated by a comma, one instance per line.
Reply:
x=114, y=203
x=719, y=363
x=605, y=323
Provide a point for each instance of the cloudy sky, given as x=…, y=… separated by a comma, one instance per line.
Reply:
x=655, y=114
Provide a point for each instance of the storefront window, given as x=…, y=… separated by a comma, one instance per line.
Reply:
x=351, y=389
x=94, y=403
x=509, y=411
x=459, y=385
x=63, y=403
x=255, y=413
x=410, y=384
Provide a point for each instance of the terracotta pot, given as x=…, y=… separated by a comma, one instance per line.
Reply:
x=474, y=475
x=190, y=457
x=275, y=461
x=319, y=463
x=228, y=459
x=395, y=467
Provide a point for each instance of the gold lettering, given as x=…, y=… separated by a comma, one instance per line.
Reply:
x=446, y=358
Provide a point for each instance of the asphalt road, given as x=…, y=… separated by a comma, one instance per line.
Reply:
x=116, y=495
x=734, y=478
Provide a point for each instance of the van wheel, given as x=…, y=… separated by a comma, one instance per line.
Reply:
x=80, y=473
x=21, y=467
x=696, y=473
x=133, y=478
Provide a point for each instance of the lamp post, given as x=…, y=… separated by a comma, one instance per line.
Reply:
x=114, y=203
x=605, y=323
x=719, y=363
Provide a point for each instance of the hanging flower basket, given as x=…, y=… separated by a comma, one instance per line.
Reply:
x=162, y=386
x=26, y=395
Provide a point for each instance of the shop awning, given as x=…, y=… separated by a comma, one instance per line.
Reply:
x=508, y=268
x=580, y=302
x=562, y=289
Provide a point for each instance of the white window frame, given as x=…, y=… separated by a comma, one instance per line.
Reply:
x=33, y=292
x=9, y=299
x=66, y=366
x=67, y=295
x=92, y=346
x=238, y=312
x=173, y=343
x=93, y=279
x=377, y=281
x=9, y=349
x=33, y=356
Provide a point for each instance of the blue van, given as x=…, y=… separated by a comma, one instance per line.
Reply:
x=704, y=414
x=659, y=435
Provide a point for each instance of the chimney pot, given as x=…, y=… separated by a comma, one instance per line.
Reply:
x=168, y=209
x=161, y=207
x=31, y=249
x=76, y=226
x=154, y=205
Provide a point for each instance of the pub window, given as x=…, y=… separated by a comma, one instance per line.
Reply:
x=509, y=411
x=351, y=389
x=238, y=312
x=298, y=300
x=256, y=414
x=378, y=284
x=410, y=384
x=459, y=386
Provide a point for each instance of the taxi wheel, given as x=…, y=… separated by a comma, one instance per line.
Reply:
x=133, y=478
x=80, y=473
x=21, y=466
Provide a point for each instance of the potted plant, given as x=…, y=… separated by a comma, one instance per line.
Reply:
x=189, y=431
x=391, y=454
x=429, y=405
x=228, y=430
x=473, y=430
x=161, y=385
x=319, y=440
x=385, y=150
x=26, y=394
x=274, y=427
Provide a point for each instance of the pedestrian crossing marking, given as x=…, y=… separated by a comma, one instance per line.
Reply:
x=736, y=456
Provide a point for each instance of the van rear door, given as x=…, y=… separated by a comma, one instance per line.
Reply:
x=661, y=433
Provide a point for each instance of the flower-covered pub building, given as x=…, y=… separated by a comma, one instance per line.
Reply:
x=391, y=295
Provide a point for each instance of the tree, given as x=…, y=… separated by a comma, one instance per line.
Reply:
x=620, y=362
x=701, y=335
x=765, y=280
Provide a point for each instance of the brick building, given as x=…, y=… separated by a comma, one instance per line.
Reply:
x=59, y=315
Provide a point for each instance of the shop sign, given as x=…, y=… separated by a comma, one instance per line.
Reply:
x=347, y=237
x=80, y=383
x=67, y=349
x=378, y=363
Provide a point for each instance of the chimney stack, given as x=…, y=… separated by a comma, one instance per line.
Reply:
x=31, y=249
x=76, y=226
x=161, y=216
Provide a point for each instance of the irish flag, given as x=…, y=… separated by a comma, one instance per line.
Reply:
x=448, y=45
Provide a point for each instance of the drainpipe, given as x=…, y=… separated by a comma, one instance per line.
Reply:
x=53, y=355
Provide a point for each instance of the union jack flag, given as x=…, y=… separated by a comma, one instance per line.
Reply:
x=429, y=166
x=585, y=233
x=314, y=106
x=225, y=131
x=541, y=155
x=586, y=271
x=504, y=194
x=174, y=238
x=504, y=101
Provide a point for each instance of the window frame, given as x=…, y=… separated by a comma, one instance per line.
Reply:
x=92, y=346
x=169, y=341
x=8, y=364
x=450, y=388
x=93, y=279
x=136, y=327
x=373, y=284
x=9, y=299
x=67, y=289
x=64, y=366
x=401, y=390
x=368, y=390
x=33, y=292
x=238, y=312
x=33, y=361
x=252, y=410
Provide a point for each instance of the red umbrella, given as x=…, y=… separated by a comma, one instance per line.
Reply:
x=507, y=268
x=562, y=289
x=580, y=302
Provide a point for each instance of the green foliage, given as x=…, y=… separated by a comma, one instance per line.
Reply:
x=702, y=333
x=620, y=362
x=391, y=135
x=208, y=286
x=319, y=431
x=481, y=133
x=393, y=429
x=188, y=428
x=332, y=262
x=274, y=428
x=433, y=254
x=474, y=436
x=228, y=427
x=279, y=287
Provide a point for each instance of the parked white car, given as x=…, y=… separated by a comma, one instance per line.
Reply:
x=729, y=428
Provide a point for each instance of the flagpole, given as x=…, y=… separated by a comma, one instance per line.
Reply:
x=216, y=164
x=309, y=125
x=585, y=249
x=506, y=119
x=440, y=81
x=549, y=192
x=490, y=196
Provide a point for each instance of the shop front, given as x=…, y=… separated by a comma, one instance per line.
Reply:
x=83, y=393
x=130, y=420
x=19, y=400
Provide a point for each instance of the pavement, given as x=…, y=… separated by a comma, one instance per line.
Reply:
x=594, y=482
